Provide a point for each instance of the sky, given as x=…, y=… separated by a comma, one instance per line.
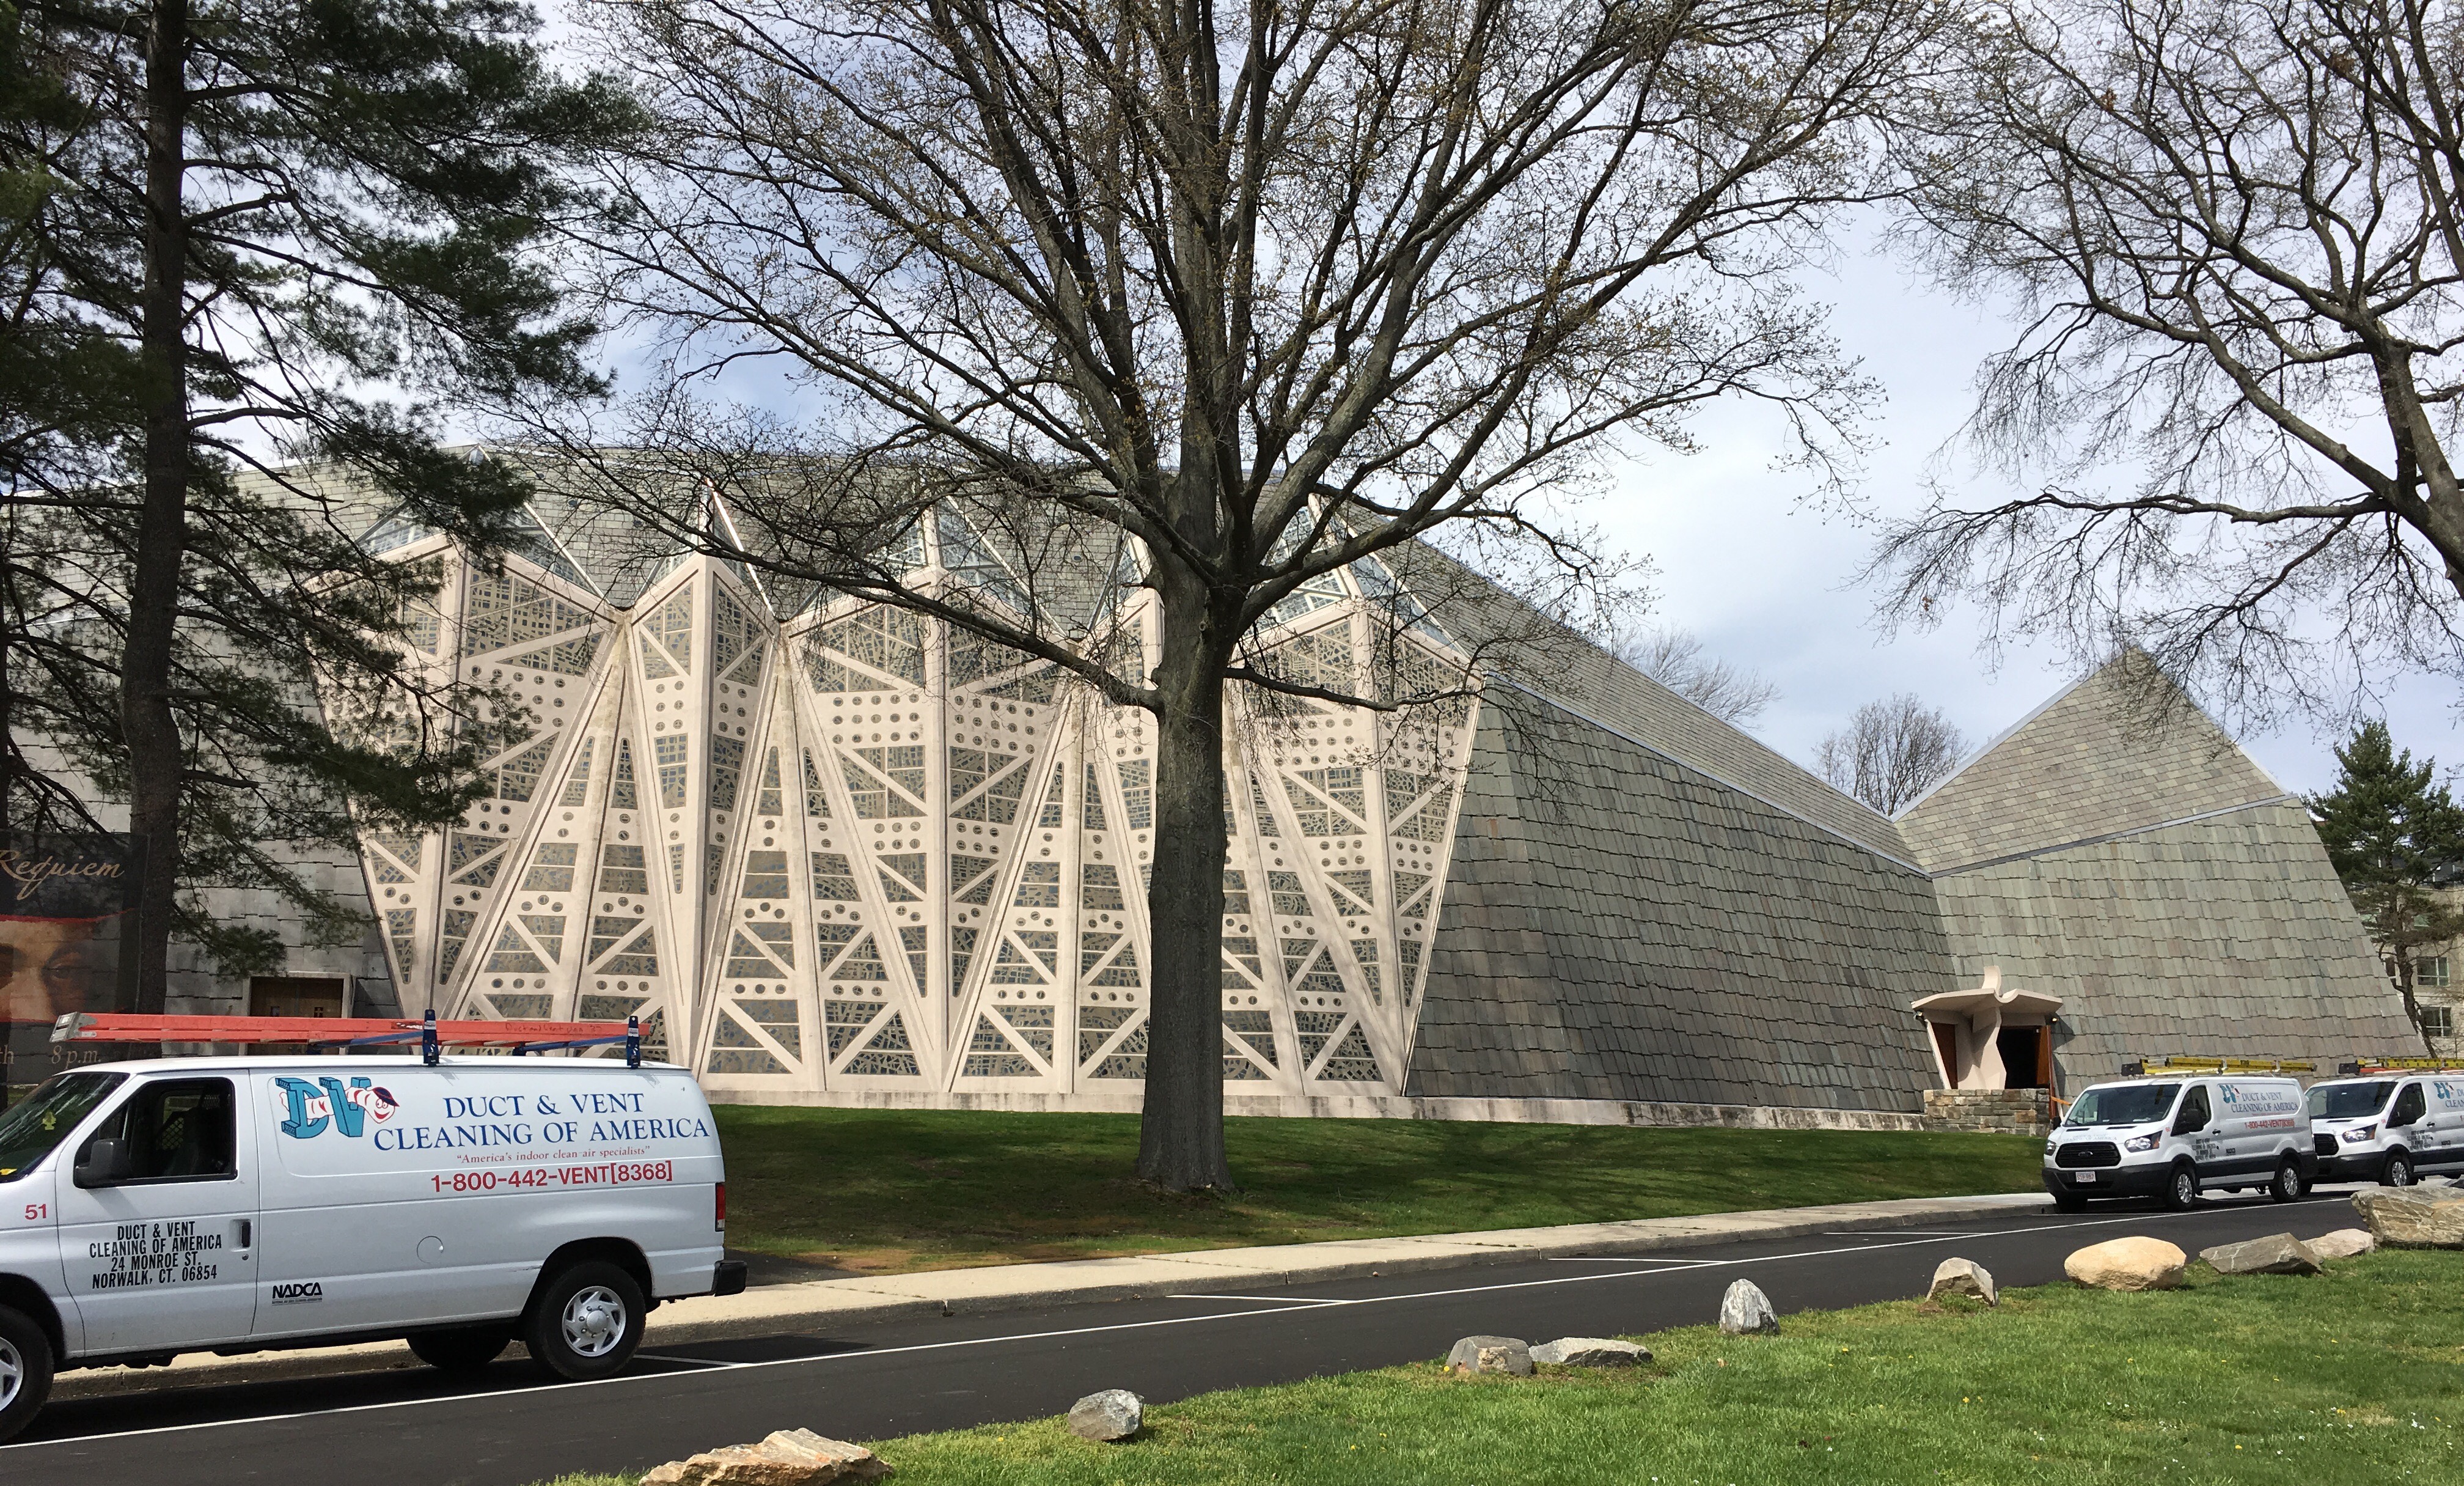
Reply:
x=1767, y=580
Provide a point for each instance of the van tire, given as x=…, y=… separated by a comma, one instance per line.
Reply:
x=2398, y=1170
x=2287, y=1186
x=464, y=1349
x=585, y=1322
x=2065, y=1202
x=2182, y=1187
x=26, y=1366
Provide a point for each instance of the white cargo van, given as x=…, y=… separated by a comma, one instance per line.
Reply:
x=2389, y=1129
x=243, y=1204
x=2170, y=1137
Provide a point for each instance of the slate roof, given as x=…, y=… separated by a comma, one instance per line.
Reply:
x=2155, y=878
x=1620, y=926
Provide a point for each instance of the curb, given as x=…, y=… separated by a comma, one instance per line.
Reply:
x=774, y=1310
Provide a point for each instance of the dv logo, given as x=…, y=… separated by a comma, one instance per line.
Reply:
x=311, y=1110
x=299, y=1293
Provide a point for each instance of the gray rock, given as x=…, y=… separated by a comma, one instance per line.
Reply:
x=2412, y=1218
x=1746, y=1310
x=1591, y=1352
x=2278, y=1253
x=2345, y=1243
x=1490, y=1354
x=1113, y=1414
x=1962, y=1276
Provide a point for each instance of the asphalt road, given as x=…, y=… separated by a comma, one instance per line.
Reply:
x=506, y=1428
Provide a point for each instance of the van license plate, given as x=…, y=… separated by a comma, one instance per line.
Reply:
x=2084, y=1178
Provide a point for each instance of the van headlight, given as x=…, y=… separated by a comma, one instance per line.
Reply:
x=2148, y=1142
x=2360, y=1132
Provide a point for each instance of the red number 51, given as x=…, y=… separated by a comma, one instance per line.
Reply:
x=37, y=1212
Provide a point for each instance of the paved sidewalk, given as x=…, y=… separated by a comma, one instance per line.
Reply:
x=808, y=1306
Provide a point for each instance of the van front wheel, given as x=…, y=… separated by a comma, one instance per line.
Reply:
x=25, y=1371
x=585, y=1322
x=465, y=1350
x=2182, y=1187
x=2398, y=1172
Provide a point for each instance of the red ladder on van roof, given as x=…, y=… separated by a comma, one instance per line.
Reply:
x=332, y=1032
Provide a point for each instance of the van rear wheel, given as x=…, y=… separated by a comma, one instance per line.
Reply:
x=467, y=1349
x=585, y=1322
x=25, y=1371
x=2287, y=1186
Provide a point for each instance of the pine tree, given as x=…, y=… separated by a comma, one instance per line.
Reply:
x=239, y=239
x=2389, y=831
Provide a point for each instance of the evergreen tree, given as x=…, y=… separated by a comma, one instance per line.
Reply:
x=2389, y=831
x=239, y=239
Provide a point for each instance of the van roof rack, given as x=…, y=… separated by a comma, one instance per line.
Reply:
x=2181, y=1063
x=2369, y=1066
x=351, y=1032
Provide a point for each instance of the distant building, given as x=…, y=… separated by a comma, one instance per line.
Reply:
x=830, y=856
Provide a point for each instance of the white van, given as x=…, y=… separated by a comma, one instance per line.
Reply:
x=2389, y=1129
x=2171, y=1136
x=242, y=1204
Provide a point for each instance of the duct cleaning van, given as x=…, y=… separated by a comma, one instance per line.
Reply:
x=2389, y=1128
x=243, y=1204
x=2172, y=1137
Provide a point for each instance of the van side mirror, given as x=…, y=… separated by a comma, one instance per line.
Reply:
x=104, y=1163
x=2190, y=1122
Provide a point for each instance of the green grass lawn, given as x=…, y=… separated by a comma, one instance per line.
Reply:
x=889, y=1191
x=2355, y=1377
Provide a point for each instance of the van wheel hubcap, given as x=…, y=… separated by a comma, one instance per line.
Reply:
x=594, y=1322
x=12, y=1373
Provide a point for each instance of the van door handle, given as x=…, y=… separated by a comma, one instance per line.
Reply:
x=247, y=1235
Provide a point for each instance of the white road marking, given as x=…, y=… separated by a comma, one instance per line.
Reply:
x=1680, y=1266
x=685, y=1361
x=1263, y=1300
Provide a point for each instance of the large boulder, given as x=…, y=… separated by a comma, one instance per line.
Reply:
x=1962, y=1277
x=2128, y=1264
x=789, y=1457
x=2413, y=1217
x=1490, y=1354
x=2278, y=1253
x=1591, y=1352
x=2345, y=1243
x=1745, y=1310
x=1113, y=1414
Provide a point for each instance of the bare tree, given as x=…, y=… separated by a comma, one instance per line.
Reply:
x=1674, y=658
x=1890, y=752
x=2231, y=230
x=1261, y=291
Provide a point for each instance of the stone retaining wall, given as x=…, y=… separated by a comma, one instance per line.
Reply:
x=2001, y=1111
x=1511, y=1111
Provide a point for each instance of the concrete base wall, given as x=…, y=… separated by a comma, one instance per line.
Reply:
x=1560, y=1111
x=2001, y=1111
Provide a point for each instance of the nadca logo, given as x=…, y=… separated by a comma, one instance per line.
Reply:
x=299, y=1293
x=313, y=1106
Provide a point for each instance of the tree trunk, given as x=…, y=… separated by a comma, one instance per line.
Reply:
x=148, y=730
x=1180, y=1137
x=2404, y=985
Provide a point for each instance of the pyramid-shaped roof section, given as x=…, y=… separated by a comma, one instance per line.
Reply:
x=1521, y=649
x=2122, y=750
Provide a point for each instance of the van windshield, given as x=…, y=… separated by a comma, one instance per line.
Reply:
x=2349, y=1101
x=2124, y=1104
x=30, y=1129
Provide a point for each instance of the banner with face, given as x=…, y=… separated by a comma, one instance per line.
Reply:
x=67, y=904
